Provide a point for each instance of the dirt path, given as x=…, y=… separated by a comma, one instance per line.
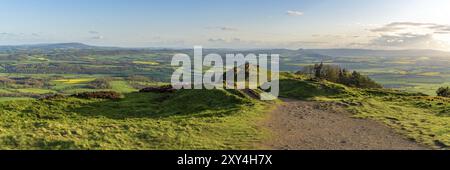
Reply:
x=303, y=125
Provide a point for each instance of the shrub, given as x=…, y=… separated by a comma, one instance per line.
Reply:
x=158, y=89
x=99, y=83
x=98, y=95
x=51, y=97
x=443, y=92
x=24, y=82
x=5, y=81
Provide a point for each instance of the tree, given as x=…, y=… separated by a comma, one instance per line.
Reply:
x=318, y=70
x=343, y=76
x=443, y=92
x=355, y=79
x=331, y=72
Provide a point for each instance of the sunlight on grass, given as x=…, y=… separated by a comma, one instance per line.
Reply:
x=146, y=62
x=188, y=119
x=75, y=81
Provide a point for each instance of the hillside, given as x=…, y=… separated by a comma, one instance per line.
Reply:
x=187, y=119
x=207, y=119
x=424, y=119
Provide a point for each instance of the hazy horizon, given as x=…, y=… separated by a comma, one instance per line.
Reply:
x=223, y=48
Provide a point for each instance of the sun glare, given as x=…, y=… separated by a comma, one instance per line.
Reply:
x=445, y=40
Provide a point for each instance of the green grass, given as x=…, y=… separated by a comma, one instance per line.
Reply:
x=121, y=86
x=423, y=119
x=5, y=91
x=196, y=119
x=188, y=119
x=6, y=99
x=35, y=91
x=298, y=87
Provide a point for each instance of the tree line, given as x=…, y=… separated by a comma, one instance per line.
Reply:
x=336, y=74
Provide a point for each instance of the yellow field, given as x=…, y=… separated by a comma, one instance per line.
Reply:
x=146, y=62
x=429, y=74
x=75, y=81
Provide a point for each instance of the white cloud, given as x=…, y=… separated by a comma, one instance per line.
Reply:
x=294, y=13
x=223, y=40
x=228, y=29
x=98, y=37
x=223, y=28
x=95, y=35
x=396, y=27
x=217, y=40
x=8, y=34
x=410, y=35
x=94, y=32
x=407, y=40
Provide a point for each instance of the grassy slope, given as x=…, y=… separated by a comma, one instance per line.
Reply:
x=422, y=118
x=189, y=119
x=202, y=119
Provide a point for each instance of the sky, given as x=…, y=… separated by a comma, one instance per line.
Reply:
x=293, y=24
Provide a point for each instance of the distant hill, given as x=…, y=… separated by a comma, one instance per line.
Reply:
x=48, y=46
x=377, y=53
x=314, y=53
x=62, y=45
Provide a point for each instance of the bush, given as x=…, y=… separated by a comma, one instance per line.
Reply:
x=23, y=82
x=158, y=89
x=5, y=81
x=443, y=92
x=99, y=83
x=51, y=97
x=98, y=95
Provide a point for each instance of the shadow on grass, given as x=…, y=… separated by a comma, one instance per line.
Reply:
x=305, y=90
